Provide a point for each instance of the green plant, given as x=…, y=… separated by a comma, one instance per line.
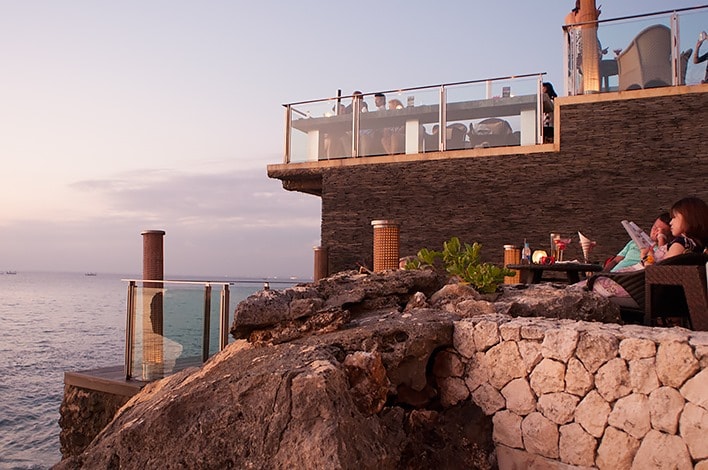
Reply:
x=462, y=261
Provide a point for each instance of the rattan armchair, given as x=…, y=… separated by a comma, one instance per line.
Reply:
x=674, y=287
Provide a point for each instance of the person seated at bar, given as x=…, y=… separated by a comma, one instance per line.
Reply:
x=337, y=144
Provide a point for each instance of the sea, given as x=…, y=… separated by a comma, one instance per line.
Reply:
x=53, y=322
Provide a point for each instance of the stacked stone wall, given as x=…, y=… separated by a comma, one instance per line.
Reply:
x=624, y=159
x=567, y=394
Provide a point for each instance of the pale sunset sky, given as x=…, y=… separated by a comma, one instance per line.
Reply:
x=118, y=117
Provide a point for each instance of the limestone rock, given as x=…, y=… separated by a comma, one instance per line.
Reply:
x=530, y=353
x=519, y=397
x=510, y=331
x=547, y=300
x=592, y=413
x=477, y=371
x=463, y=338
x=448, y=364
x=694, y=390
x=548, y=377
x=617, y=451
x=540, y=435
x=488, y=398
x=642, y=375
x=558, y=407
x=631, y=415
x=418, y=300
x=559, y=344
x=596, y=348
x=660, y=450
x=486, y=335
x=576, y=447
x=675, y=363
x=665, y=407
x=505, y=364
x=471, y=308
x=344, y=292
x=507, y=429
x=367, y=378
x=612, y=380
x=578, y=380
x=452, y=391
x=636, y=348
x=453, y=294
x=694, y=430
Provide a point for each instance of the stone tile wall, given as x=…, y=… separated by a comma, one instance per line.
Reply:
x=567, y=394
x=624, y=159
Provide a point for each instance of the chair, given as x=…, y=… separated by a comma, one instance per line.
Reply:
x=674, y=287
x=646, y=62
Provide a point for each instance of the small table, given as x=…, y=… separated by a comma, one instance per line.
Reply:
x=533, y=273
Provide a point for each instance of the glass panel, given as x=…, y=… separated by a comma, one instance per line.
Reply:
x=691, y=25
x=396, y=123
x=317, y=133
x=492, y=114
x=635, y=53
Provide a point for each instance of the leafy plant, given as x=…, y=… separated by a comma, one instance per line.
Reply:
x=462, y=261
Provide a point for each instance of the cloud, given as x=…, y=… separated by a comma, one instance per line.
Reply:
x=237, y=223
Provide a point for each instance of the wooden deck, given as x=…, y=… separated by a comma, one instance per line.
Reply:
x=112, y=379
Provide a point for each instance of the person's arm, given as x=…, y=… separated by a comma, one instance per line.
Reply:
x=696, y=58
x=674, y=250
x=614, y=261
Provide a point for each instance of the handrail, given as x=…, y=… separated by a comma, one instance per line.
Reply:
x=401, y=90
x=632, y=17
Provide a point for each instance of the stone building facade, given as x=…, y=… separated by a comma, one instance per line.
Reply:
x=626, y=155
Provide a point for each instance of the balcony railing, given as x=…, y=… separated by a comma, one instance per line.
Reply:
x=635, y=52
x=494, y=112
x=171, y=325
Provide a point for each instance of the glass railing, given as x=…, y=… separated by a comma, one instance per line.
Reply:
x=482, y=113
x=637, y=52
x=172, y=325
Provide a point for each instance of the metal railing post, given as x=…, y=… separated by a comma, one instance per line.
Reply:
x=356, y=109
x=539, y=111
x=207, y=322
x=129, y=330
x=288, y=130
x=224, y=318
x=442, y=132
x=675, y=51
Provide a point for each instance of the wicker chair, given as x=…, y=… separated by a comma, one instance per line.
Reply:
x=646, y=62
x=674, y=287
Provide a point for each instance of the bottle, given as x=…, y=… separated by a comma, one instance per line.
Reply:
x=526, y=253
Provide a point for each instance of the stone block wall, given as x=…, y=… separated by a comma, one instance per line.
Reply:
x=617, y=159
x=567, y=394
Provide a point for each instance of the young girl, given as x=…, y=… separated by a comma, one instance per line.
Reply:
x=689, y=226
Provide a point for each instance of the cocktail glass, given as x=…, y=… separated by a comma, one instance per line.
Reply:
x=561, y=245
x=554, y=247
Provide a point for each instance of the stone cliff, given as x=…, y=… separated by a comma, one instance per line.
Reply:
x=397, y=370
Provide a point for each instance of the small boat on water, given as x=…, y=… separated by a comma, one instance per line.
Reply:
x=89, y=274
x=10, y=272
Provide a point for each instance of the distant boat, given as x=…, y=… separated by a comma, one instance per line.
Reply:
x=89, y=274
x=10, y=272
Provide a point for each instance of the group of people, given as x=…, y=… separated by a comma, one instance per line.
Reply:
x=684, y=229
x=371, y=141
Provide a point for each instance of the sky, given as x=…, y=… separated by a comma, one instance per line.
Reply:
x=120, y=117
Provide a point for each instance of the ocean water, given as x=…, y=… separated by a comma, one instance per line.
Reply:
x=51, y=323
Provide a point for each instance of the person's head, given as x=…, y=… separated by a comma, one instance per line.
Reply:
x=548, y=89
x=689, y=217
x=662, y=226
x=379, y=100
x=395, y=104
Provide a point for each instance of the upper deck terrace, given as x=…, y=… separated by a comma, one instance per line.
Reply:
x=496, y=116
x=616, y=154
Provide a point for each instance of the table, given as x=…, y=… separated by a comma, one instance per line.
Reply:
x=533, y=273
x=413, y=117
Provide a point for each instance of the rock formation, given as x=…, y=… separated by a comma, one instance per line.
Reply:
x=354, y=371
